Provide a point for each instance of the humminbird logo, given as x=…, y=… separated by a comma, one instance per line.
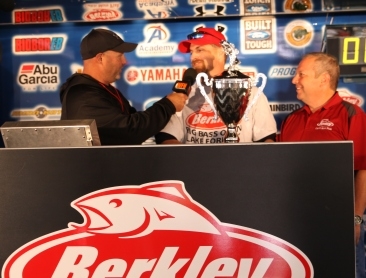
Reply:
x=154, y=230
x=33, y=77
x=284, y=107
x=25, y=45
x=53, y=14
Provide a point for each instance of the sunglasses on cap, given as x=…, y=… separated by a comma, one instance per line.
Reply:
x=200, y=35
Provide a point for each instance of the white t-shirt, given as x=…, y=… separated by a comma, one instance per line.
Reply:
x=196, y=124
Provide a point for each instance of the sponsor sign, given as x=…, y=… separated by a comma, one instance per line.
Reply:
x=282, y=71
x=40, y=112
x=42, y=15
x=257, y=7
x=156, y=42
x=154, y=230
x=40, y=44
x=34, y=77
x=295, y=6
x=284, y=107
x=102, y=11
x=258, y=35
x=299, y=33
x=134, y=75
x=351, y=97
x=156, y=8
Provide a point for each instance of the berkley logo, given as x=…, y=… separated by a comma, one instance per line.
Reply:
x=154, y=230
x=204, y=119
x=351, y=97
x=102, y=14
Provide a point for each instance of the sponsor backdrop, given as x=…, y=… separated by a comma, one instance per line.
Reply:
x=40, y=46
x=72, y=212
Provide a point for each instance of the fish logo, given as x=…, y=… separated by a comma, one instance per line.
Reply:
x=154, y=230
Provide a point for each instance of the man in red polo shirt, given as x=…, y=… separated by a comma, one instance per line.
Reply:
x=327, y=117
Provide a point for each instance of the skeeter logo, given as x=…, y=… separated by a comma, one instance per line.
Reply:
x=154, y=230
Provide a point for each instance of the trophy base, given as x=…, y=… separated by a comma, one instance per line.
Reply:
x=232, y=136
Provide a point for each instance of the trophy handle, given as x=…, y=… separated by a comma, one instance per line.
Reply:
x=202, y=90
x=259, y=91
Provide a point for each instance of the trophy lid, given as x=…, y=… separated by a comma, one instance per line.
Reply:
x=234, y=74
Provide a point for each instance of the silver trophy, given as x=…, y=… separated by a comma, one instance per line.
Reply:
x=232, y=90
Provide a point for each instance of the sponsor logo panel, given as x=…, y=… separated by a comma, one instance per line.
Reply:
x=258, y=35
x=351, y=97
x=284, y=107
x=156, y=42
x=295, y=6
x=180, y=238
x=257, y=7
x=156, y=8
x=40, y=44
x=299, y=33
x=40, y=112
x=134, y=75
x=282, y=71
x=34, y=77
x=102, y=11
x=51, y=14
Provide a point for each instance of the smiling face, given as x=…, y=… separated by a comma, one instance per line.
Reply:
x=208, y=58
x=307, y=80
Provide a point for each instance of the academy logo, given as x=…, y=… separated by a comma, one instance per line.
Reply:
x=40, y=44
x=102, y=11
x=34, y=77
x=134, y=75
x=282, y=71
x=154, y=230
x=156, y=42
x=299, y=33
x=39, y=112
x=156, y=9
x=52, y=14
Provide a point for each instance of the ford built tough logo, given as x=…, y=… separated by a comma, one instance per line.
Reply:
x=154, y=230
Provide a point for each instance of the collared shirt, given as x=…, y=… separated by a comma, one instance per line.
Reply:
x=337, y=120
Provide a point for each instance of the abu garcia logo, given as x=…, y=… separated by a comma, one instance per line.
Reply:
x=42, y=76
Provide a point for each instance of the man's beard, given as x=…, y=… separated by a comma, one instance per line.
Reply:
x=199, y=66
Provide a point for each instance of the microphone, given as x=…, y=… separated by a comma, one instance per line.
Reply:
x=189, y=77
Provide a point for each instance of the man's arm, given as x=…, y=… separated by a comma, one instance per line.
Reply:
x=165, y=138
x=360, y=198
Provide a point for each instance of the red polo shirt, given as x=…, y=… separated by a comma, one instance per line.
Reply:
x=337, y=120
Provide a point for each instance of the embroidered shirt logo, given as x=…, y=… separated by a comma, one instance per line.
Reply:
x=325, y=124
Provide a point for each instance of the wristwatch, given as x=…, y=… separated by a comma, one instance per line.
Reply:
x=358, y=220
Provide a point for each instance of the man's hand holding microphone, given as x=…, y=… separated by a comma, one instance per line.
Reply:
x=182, y=89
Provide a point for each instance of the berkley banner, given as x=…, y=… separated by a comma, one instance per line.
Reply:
x=154, y=230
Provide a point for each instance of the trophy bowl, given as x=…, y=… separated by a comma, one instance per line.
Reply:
x=231, y=97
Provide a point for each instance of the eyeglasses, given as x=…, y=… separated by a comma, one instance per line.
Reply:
x=200, y=35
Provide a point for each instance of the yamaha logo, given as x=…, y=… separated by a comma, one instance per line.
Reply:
x=154, y=230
